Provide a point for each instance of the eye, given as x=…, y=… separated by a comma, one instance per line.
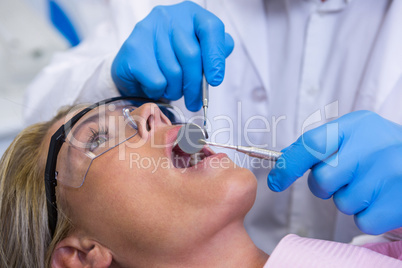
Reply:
x=97, y=138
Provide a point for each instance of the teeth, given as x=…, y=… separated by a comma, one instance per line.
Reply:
x=195, y=158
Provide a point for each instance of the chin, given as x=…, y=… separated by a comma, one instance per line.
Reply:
x=242, y=188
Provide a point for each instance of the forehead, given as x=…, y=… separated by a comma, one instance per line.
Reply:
x=108, y=109
x=104, y=115
x=100, y=110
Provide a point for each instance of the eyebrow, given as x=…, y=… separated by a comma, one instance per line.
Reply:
x=92, y=118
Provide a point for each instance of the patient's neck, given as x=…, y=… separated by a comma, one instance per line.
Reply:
x=230, y=247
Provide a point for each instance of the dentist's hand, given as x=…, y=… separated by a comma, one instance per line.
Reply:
x=356, y=159
x=167, y=52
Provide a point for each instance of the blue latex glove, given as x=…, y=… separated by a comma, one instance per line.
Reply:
x=165, y=54
x=356, y=159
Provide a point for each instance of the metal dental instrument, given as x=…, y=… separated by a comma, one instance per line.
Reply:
x=251, y=151
x=191, y=139
x=205, y=97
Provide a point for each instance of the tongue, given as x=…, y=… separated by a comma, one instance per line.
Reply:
x=181, y=161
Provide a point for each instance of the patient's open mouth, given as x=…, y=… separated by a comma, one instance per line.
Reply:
x=181, y=159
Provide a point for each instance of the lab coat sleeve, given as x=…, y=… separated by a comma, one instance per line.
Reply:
x=81, y=74
x=295, y=251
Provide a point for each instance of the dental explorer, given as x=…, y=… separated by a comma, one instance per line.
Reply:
x=249, y=150
x=205, y=98
x=191, y=139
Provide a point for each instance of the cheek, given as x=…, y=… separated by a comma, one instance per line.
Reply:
x=116, y=196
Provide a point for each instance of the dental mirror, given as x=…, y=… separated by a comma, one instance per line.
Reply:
x=188, y=138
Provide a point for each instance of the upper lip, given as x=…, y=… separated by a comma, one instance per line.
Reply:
x=170, y=137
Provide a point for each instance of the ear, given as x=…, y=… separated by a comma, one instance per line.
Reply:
x=75, y=251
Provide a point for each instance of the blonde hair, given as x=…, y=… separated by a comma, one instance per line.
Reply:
x=24, y=233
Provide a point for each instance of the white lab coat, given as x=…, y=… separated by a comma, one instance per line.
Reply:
x=296, y=64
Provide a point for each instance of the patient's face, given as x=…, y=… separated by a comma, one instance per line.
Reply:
x=149, y=198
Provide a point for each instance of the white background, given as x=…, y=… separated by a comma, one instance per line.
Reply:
x=27, y=43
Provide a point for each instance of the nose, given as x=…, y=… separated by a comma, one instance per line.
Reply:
x=149, y=118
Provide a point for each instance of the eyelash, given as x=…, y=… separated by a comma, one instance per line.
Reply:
x=94, y=137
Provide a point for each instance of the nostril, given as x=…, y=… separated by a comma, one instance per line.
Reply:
x=149, y=122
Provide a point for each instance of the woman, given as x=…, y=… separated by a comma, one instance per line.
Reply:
x=116, y=210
